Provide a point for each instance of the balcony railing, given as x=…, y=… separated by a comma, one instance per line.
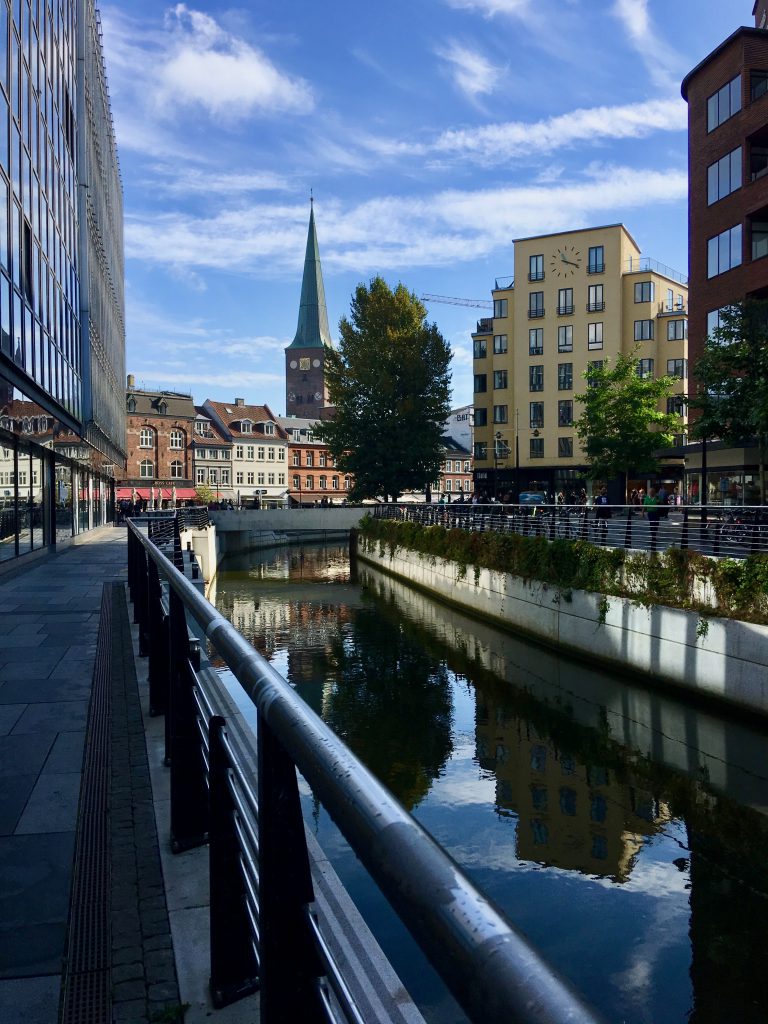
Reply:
x=596, y=268
x=534, y=314
x=595, y=307
x=485, y=325
x=538, y=276
x=565, y=310
x=641, y=264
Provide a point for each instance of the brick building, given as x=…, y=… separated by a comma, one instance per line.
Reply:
x=312, y=473
x=727, y=96
x=160, y=430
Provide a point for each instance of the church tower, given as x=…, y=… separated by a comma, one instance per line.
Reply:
x=305, y=390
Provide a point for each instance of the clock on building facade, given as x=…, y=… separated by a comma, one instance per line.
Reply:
x=565, y=261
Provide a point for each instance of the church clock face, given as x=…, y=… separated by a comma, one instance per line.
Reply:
x=304, y=364
x=316, y=363
x=318, y=396
x=293, y=364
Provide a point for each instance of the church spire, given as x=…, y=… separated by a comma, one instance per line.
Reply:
x=312, y=330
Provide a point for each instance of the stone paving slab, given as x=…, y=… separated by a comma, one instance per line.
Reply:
x=48, y=627
x=34, y=902
x=9, y=716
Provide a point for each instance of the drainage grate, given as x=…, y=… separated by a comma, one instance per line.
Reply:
x=86, y=984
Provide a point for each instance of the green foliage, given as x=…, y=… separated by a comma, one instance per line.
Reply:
x=204, y=494
x=668, y=578
x=389, y=382
x=621, y=426
x=732, y=372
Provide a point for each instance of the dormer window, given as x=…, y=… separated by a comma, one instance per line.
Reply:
x=131, y=404
x=162, y=408
x=246, y=426
x=269, y=428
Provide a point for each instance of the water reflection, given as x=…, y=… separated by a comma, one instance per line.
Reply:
x=623, y=830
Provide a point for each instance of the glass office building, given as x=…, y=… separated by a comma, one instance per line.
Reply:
x=62, y=333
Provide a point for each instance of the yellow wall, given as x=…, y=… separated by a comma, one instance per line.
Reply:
x=621, y=271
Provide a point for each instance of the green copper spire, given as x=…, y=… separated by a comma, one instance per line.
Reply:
x=312, y=330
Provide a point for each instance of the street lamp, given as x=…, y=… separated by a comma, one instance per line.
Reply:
x=499, y=454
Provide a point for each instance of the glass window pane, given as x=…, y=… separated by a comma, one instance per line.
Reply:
x=736, y=169
x=712, y=113
x=735, y=246
x=724, y=254
x=723, y=177
x=735, y=104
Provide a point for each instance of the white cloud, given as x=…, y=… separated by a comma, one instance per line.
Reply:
x=396, y=232
x=522, y=140
x=500, y=142
x=190, y=64
x=207, y=67
x=488, y=8
x=661, y=62
x=472, y=73
x=188, y=181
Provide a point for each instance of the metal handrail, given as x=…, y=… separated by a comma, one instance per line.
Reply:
x=714, y=530
x=490, y=967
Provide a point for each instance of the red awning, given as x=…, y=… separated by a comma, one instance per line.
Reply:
x=161, y=493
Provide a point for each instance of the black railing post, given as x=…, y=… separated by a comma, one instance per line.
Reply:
x=234, y=968
x=628, y=531
x=289, y=964
x=159, y=657
x=189, y=796
x=141, y=605
x=684, y=532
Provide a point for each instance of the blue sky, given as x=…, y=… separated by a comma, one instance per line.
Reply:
x=431, y=131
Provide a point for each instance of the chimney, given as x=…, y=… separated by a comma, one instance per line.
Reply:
x=240, y=401
x=131, y=381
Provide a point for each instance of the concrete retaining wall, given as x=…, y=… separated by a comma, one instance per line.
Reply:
x=721, y=658
x=333, y=519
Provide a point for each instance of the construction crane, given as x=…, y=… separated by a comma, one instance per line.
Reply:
x=453, y=301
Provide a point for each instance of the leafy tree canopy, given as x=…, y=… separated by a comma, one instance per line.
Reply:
x=732, y=373
x=389, y=383
x=621, y=427
x=204, y=494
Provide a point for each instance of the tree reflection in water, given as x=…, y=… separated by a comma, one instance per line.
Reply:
x=391, y=703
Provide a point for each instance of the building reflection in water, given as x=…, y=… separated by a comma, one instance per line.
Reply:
x=569, y=814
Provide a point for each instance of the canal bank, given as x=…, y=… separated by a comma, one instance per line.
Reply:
x=713, y=657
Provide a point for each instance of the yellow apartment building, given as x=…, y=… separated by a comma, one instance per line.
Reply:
x=576, y=298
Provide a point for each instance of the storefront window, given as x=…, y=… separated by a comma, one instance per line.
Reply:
x=63, y=501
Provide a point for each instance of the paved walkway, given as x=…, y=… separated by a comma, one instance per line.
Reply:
x=49, y=622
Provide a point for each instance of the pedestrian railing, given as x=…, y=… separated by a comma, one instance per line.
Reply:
x=733, y=532
x=237, y=789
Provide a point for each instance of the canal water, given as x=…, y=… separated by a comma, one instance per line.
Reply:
x=624, y=830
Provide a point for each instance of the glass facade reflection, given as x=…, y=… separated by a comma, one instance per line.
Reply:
x=62, y=343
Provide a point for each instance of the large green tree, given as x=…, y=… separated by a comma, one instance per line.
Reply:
x=389, y=383
x=620, y=426
x=732, y=372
